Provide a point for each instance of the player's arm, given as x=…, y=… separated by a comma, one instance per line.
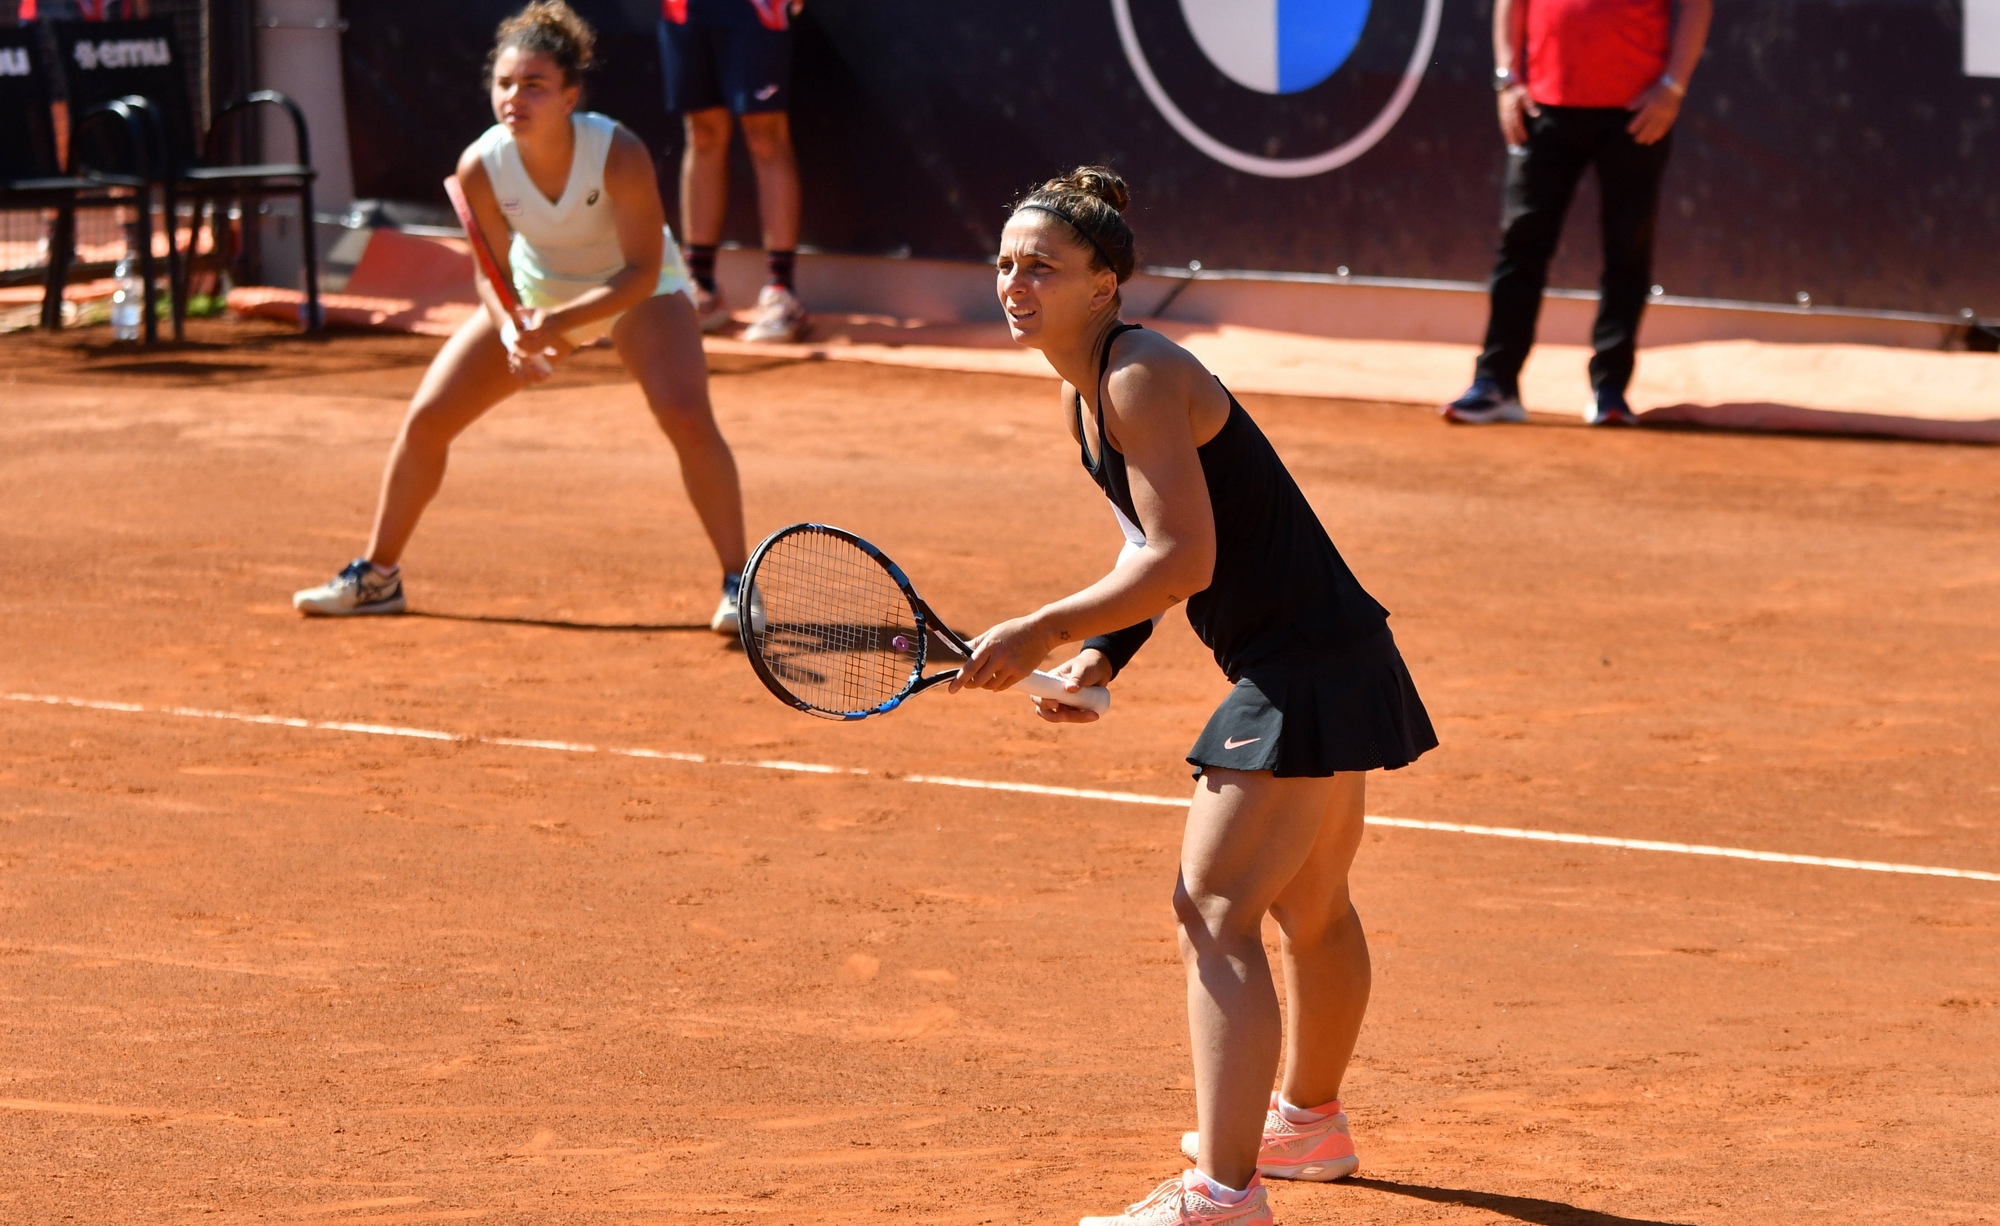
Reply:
x=1147, y=409
x=493, y=226
x=641, y=223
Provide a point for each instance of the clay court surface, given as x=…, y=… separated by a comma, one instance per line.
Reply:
x=258, y=972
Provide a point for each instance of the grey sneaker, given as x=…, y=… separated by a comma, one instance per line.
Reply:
x=779, y=319
x=356, y=590
x=1483, y=404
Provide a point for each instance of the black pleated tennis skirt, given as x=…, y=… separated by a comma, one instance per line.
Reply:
x=1356, y=710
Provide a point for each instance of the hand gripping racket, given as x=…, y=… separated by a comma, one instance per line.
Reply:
x=482, y=255
x=834, y=628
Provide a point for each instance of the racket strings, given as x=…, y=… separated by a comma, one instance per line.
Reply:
x=837, y=630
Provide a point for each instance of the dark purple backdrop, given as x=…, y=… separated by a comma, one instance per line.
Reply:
x=1828, y=146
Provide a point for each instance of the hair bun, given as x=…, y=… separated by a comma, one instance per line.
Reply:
x=1101, y=182
x=1092, y=200
x=551, y=28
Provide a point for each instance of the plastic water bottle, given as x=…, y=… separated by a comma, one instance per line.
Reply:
x=128, y=300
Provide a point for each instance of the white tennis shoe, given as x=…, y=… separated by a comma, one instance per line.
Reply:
x=728, y=617
x=779, y=318
x=355, y=591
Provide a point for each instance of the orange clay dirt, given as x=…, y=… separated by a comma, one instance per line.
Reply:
x=281, y=974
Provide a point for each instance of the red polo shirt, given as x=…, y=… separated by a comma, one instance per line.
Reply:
x=1596, y=52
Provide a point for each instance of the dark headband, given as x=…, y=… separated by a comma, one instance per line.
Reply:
x=1053, y=211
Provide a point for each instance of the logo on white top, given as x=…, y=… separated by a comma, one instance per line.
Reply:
x=511, y=207
x=123, y=53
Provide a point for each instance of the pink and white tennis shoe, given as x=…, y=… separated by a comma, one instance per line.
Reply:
x=1184, y=1201
x=1318, y=1152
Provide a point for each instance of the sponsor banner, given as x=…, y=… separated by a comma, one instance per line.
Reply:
x=1849, y=152
x=121, y=53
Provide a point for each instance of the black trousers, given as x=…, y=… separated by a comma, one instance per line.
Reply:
x=1542, y=176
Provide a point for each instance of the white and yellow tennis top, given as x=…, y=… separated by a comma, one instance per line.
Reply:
x=564, y=247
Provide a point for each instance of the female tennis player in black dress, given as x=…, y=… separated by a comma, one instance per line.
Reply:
x=1321, y=696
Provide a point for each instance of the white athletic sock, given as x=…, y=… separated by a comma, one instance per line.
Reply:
x=1299, y=1115
x=385, y=571
x=1220, y=1193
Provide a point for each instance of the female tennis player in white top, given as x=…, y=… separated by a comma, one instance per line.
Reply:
x=589, y=255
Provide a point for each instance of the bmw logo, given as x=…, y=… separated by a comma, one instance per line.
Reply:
x=1253, y=78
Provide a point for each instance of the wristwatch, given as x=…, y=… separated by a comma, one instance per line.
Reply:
x=1672, y=86
x=1503, y=77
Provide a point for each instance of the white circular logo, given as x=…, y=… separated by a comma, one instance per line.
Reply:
x=1278, y=48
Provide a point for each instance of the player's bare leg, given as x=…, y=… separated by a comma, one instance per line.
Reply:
x=660, y=343
x=1326, y=966
x=767, y=137
x=705, y=176
x=1249, y=835
x=468, y=377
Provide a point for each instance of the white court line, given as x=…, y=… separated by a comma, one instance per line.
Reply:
x=1030, y=789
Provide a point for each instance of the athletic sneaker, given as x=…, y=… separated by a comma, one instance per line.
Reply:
x=1183, y=1201
x=726, y=619
x=1483, y=404
x=709, y=310
x=779, y=318
x=356, y=590
x=1318, y=1152
x=1608, y=408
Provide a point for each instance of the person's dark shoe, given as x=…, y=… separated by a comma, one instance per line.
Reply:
x=1483, y=404
x=1608, y=408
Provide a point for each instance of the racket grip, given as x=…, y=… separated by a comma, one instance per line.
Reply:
x=1090, y=697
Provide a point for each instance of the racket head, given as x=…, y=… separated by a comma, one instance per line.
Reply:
x=831, y=625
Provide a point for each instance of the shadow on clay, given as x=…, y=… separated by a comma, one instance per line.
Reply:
x=1520, y=1208
x=557, y=623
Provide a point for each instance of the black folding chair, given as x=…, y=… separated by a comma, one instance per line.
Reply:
x=110, y=167
x=110, y=60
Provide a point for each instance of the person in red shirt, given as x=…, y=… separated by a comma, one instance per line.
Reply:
x=1581, y=83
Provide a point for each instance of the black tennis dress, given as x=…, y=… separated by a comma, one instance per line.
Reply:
x=1320, y=685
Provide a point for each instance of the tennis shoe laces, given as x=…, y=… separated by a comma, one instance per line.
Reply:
x=779, y=318
x=1484, y=403
x=358, y=589
x=1319, y=1152
x=1184, y=1201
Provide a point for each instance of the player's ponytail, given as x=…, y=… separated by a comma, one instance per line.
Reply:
x=1092, y=199
x=551, y=28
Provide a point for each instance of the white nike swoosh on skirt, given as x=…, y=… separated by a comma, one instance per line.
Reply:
x=1240, y=744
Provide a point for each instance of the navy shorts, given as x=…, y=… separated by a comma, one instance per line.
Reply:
x=736, y=61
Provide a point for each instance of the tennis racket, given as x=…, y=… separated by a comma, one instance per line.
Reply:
x=834, y=628
x=482, y=255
